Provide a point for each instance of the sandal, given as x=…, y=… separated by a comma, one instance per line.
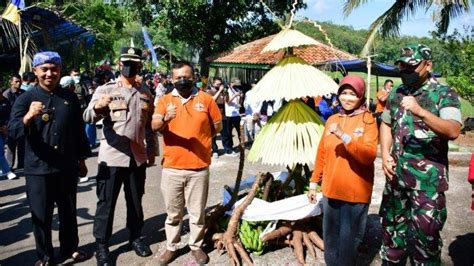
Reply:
x=79, y=256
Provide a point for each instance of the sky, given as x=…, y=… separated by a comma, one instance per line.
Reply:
x=418, y=25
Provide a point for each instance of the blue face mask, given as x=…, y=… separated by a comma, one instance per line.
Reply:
x=27, y=87
x=77, y=79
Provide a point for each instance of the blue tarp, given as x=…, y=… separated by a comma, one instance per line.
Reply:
x=359, y=65
x=59, y=29
x=48, y=30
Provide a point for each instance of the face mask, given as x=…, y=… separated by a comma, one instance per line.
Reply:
x=76, y=79
x=129, y=70
x=409, y=77
x=183, y=85
x=349, y=102
x=27, y=87
x=199, y=84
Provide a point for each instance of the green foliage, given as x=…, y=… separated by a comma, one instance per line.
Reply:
x=211, y=27
x=459, y=69
x=106, y=21
x=388, y=23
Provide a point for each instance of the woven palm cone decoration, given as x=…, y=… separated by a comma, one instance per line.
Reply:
x=293, y=78
x=290, y=137
x=289, y=38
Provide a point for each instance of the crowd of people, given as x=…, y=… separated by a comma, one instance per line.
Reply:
x=49, y=125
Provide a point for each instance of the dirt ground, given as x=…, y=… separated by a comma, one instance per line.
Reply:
x=17, y=243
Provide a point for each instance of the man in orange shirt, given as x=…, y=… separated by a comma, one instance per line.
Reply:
x=382, y=96
x=188, y=119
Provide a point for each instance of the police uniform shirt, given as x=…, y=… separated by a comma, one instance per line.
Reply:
x=125, y=140
x=56, y=139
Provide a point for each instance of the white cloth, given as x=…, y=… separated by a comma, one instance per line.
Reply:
x=290, y=209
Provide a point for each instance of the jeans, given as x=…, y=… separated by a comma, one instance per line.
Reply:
x=343, y=230
x=91, y=134
x=3, y=161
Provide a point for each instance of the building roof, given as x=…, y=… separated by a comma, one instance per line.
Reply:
x=249, y=54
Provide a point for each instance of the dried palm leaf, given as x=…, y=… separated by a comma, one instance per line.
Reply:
x=293, y=78
x=290, y=137
x=289, y=38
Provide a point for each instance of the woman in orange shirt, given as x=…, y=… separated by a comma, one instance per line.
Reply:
x=345, y=167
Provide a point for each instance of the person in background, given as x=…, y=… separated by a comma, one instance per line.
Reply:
x=233, y=102
x=252, y=114
x=68, y=83
x=15, y=147
x=5, y=109
x=216, y=90
x=328, y=106
x=382, y=96
x=345, y=167
x=28, y=81
x=470, y=179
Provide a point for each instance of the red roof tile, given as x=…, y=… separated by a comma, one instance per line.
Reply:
x=249, y=53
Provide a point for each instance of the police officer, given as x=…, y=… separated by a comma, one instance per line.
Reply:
x=126, y=110
x=49, y=118
x=419, y=119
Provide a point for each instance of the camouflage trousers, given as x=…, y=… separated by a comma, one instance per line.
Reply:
x=417, y=214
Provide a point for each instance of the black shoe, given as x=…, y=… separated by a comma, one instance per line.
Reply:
x=142, y=249
x=102, y=256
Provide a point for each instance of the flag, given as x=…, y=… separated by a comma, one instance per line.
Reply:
x=11, y=13
x=150, y=46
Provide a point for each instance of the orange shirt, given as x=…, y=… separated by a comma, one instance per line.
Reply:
x=347, y=170
x=381, y=104
x=187, y=137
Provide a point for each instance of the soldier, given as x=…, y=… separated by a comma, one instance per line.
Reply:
x=126, y=110
x=49, y=119
x=420, y=116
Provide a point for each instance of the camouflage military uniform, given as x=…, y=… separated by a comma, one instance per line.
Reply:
x=414, y=199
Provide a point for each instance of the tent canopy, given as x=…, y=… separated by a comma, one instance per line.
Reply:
x=47, y=30
x=360, y=65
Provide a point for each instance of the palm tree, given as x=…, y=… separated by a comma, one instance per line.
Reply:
x=388, y=24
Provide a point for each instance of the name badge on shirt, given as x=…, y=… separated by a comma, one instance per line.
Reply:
x=118, y=107
x=358, y=132
x=199, y=107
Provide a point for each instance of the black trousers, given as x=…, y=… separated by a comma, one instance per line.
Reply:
x=16, y=147
x=43, y=191
x=109, y=182
x=230, y=123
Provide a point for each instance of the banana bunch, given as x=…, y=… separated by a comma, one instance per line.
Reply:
x=249, y=233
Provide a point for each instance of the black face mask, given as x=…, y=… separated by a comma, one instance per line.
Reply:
x=129, y=70
x=183, y=85
x=409, y=77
